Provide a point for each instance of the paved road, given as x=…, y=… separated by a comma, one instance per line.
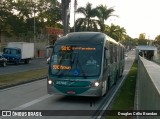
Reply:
x=33, y=96
x=34, y=64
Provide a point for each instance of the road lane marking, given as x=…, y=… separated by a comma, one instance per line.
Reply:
x=32, y=102
x=126, y=71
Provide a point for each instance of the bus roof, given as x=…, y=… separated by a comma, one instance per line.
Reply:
x=85, y=37
x=13, y=48
x=94, y=37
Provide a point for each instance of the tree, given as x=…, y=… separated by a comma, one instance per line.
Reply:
x=17, y=17
x=49, y=12
x=7, y=19
x=103, y=13
x=157, y=40
x=87, y=23
x=142, y=39
x=116, y=32
x=142, y=36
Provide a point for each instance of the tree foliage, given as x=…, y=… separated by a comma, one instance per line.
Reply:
x=142, y=36
x=94, y=18
x=103, y=13
x=142, y=39
x=116, y=32
x=157, y=40
x=88, y=23
x=18, y=17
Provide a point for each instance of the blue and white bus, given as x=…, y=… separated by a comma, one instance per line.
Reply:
x=84, y=64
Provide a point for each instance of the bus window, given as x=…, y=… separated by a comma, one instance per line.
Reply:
x=105, y=61
x=111, y=53
x=68, y=59
x=115, y=53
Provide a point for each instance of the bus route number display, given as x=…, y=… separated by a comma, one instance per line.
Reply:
x=58, y=67
x=68, y=48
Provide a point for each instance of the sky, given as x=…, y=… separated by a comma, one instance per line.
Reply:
x=136, y=16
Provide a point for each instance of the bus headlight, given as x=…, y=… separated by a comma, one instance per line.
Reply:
x=50, y=82
x=96, y=84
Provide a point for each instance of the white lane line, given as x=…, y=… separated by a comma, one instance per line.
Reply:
x=109, y=101
x=114, y=93
x=32, y=102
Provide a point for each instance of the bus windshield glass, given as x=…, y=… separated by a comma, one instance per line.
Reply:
x=76, y=60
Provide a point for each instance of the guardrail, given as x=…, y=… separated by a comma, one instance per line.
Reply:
x=148, y=89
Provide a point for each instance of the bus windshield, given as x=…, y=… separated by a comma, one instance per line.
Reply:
x=76, y=60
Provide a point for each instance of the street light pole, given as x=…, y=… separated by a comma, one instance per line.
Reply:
x=34, y=23
x=75, y=8
x=65, y=15
x=34, y=26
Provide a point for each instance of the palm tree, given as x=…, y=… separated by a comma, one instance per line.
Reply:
x=116, y=32
x=103, y=13
x=87, y=23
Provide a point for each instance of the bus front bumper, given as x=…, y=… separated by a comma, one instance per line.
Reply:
x=75, y=91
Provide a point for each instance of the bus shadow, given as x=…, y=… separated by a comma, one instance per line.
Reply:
x=91, y=101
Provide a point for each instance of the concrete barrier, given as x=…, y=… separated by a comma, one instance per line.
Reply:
x=148, y=88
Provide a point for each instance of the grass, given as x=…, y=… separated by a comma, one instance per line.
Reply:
x=8, y=80
x=125, y=97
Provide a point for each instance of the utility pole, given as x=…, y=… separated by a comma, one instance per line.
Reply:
x=34, y=22
x=65, y=15
x=75, y=8
x=34, y=27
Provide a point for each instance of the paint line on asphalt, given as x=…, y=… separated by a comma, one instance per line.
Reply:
x=114, y=93
x=29, y=104
x=32, y=102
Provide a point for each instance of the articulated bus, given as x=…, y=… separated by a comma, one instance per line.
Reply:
x=84, y=64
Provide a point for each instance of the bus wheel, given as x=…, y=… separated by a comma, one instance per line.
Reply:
x=116, y=78
x=106, y=89
x=121, y=72
x=109, y=83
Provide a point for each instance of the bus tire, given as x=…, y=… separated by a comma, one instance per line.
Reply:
x=116, y=78
x=106, y=89
x=121, y=73
x=109, y=83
